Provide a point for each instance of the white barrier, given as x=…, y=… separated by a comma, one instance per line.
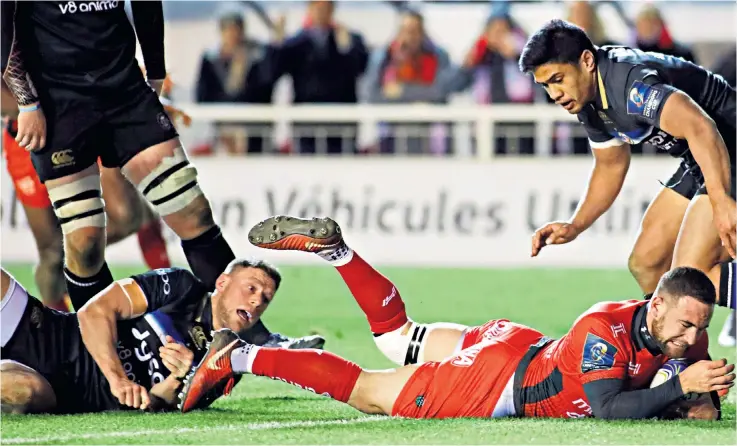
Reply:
x=425, y=212
x=483, y=117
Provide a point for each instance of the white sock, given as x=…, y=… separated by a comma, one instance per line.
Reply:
x=337, y=256
x=241, y=359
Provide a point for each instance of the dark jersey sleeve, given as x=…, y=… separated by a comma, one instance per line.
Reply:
x=646, y=94
x=7, y=16
x=169, y=286
x=609, y=401
x=148, y=19
x=598, y=136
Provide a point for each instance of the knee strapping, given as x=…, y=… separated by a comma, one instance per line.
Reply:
x=402, y=347
x=79, y=204
x=172, y=185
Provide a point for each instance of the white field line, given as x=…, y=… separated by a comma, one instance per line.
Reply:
x=271, y=425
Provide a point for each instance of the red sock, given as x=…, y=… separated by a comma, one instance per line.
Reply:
x=315, y=370
x=153, y=246
x=376, y=295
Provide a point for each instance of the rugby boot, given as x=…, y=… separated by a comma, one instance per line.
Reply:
x=214, y=371
x=297, y=234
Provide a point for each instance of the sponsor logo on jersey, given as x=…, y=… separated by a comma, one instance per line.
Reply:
x=598, y=354
x=75, y=7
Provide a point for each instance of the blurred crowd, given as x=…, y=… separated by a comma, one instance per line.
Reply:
x=330, y=64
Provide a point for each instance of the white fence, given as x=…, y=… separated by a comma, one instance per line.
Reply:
x=482, y=131
x=402, y=211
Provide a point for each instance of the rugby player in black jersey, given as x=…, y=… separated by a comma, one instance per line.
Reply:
x=625, y=96
x=81, y=94
x=130, y=345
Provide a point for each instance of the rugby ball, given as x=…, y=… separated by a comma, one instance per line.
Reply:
x=670, y=369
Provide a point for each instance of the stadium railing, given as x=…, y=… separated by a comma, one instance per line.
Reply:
x=481, y=123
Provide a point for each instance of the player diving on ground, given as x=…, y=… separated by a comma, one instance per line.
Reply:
x=130, y=346
x=602, y=367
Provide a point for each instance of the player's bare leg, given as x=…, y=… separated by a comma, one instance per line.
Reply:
x=652, y=253
x=49, y=272
x=78, y=204
x=699, y=246
x=129, y=213
x=402, y=340
x=371, y=392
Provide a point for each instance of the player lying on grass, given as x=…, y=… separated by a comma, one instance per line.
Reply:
x=602, y=367
x=135, y=340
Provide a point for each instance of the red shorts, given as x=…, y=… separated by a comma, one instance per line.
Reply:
x=28, y=188
x=471, y=383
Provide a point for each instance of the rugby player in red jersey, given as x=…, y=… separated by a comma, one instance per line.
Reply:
x=602, y=367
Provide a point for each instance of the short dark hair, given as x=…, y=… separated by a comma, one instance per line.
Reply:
x=263, y=265
x=557, y=41
x=686, y=281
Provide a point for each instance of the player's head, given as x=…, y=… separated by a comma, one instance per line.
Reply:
x=681, y=309
x=561, y=58
x=242, y=294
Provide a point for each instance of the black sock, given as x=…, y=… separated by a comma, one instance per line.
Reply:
x=727, y=285
x=208, y=254
x=82, y=289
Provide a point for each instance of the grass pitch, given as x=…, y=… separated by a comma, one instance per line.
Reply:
x=314, y=299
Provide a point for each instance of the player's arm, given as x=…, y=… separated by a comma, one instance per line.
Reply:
x=123, y=299
x=13, y=69
x=148, y=19
x=681, y=117
x=7, y=101
x=609, y=400
x=611, y=163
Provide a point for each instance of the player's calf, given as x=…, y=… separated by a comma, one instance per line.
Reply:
x=402, y=340
x=167, y=179
x=80, y=209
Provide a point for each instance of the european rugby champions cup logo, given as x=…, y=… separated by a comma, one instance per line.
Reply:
x=637, y=98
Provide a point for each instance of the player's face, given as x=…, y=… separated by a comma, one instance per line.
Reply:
x=243, y=296
x=571, y=86
x=679, y=323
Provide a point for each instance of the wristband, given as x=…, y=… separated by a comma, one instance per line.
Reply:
x=28, y=108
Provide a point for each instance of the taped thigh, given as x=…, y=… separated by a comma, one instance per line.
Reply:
x=172, y=185
x=79, y=204
x=409, y=348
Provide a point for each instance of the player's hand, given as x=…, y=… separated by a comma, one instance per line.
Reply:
x=129, y=393
x=31, y=129
x=157, y=85
x=176, y=357
x=706, y=376
x=177, y=114
x=555, y=233
x=725, y=220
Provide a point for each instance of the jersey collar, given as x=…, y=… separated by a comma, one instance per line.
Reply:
x=602, y=101
x=640, y=334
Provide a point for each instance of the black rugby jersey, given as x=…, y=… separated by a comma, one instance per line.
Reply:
x=633, y=86
x=78, y=49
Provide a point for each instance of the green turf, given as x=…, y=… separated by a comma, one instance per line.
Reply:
x=314, y=299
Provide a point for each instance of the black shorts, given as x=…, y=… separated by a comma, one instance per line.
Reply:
x=49, y=342
x=114, y=129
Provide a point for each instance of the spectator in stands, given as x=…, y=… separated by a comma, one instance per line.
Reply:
x=239, y=70
x=325, y=61
x=490, y=69
x=653, y=35
x=411, y=69
x=584, y=15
